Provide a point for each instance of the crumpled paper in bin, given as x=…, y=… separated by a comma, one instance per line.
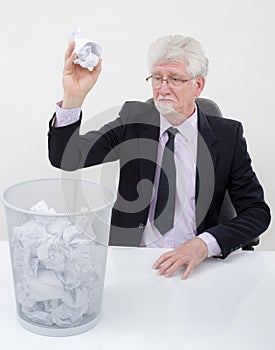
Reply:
x=55, y=268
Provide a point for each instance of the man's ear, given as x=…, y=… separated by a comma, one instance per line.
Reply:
x=200, y=82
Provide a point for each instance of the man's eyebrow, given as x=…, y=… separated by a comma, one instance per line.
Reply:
x=176, y=74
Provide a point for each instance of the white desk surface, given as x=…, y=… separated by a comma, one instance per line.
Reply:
x=225, y=304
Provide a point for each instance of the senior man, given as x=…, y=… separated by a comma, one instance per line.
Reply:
x=175, y=161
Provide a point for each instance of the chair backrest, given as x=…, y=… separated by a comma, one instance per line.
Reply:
x=208, y=106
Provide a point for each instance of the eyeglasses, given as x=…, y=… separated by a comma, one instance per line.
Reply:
x=157, y=81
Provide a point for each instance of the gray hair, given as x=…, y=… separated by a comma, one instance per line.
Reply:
x=179, y=48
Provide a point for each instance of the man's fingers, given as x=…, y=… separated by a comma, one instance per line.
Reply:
x=174, y=267
x=98, y=66
x=70, y=56
x=161, y=260
x=70, y=50
x=97, y=69
x=166, y=265
x=188, y=271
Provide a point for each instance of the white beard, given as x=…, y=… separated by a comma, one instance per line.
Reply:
x=164, y=108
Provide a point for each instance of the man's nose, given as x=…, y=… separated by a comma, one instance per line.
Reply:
x=164, y=88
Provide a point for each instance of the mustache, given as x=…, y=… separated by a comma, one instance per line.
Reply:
x=166, y=97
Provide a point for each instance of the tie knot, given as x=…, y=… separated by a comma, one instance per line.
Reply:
x=172, y=132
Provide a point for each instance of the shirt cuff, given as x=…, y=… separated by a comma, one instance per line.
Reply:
x=65, y=116
x=212, y=244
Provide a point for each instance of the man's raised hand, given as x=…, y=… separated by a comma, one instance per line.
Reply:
x=77, y=81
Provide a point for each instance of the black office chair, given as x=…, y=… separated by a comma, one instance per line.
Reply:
x=227, y=211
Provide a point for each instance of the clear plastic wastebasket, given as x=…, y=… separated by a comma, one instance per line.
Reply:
x=58, y=237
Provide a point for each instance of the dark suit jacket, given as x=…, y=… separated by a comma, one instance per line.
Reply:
x=222, y=163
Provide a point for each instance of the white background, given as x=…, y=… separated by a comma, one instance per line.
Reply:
x=238, y=37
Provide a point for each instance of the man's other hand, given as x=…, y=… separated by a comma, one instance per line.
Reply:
x=188, y=254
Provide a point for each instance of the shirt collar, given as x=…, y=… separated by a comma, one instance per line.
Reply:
x=187, y=129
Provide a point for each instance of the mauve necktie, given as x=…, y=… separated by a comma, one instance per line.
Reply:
x=165, y=204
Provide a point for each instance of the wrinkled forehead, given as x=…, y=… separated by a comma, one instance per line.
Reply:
x=171, y=67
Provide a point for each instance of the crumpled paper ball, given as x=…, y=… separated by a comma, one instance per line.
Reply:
x=88, y=52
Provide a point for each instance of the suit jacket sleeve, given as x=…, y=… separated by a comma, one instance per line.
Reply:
x=246, y=193
x=70, y=151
